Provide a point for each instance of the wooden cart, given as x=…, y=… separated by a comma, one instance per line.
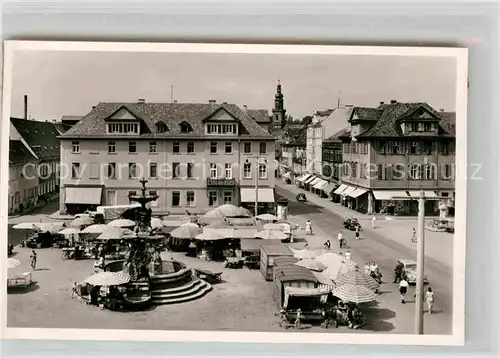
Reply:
x=22, y=280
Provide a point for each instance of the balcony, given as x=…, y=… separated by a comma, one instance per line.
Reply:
x=211, y=183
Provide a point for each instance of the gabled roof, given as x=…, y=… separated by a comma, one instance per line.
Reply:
x=366, y=114
x=62, y=127
x=42, y=137
x=259, y=115
x=387, y=124
x=449, y=121
x=172, y=114
x=336, y=137
x=19, y=154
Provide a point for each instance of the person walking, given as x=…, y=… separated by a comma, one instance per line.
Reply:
x=328, y=245
x=398, y=272
x=358, y=229
x=374, y=220
x=367, y=268
x=429, y=299
x=298, y=319
x=403, y=289
x=414, y=235
x=348, y=255
x=340, y=238
x=33, y=259
x=309, y=227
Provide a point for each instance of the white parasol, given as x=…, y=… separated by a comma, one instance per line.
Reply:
x=330, y=259
x=69, y=231
x=232, y=211
x=311, y=264
x=334, y=271
x=210, y=235
x=156, y=223
x=267, y=217
x=304, y=254
x=114, y=233
x=95, y=229
x=186, y=231
x=25, y=226
x=122, y=223
x=83, y=221
x=11, y=263
x=108, y=279
x=52, y=227
x=270, y=235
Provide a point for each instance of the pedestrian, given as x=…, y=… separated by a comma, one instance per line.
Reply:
x=398, y=272
x=328, y=244
x=33, y=259
x=403, y=289
x=414, y=235
x=348, y=255
x=358, y=228
x=374, y=220
x=429, y=299
x=74, y=290
x=299, y=317
x=340, y=237
x=308, y=227
x=367, y=268
x=21, y=209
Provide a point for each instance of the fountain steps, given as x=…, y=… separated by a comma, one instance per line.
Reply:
x=189, y=292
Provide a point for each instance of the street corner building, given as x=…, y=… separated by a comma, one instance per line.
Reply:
x=394, y=151
x=195, y=156
x=34, y=156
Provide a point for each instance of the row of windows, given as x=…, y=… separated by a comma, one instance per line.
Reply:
x=133, y=172
x=44, y=188
x=400, y=147
x=176, y=200
x=221, y=129
x=398, y=171
x=421, y=127
x=123, y=128
x=176, y=147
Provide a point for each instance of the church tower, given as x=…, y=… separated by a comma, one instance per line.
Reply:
x=279, y=111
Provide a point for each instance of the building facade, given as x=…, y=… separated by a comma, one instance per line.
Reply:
x=195, y=156
x=294, y=154
x=41, y=154
x=394, y=151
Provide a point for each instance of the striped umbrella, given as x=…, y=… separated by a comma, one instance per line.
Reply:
x=354, y=293
x=357, y=278
x=353, y=265
x=11, y=263
x=334, y=271
x=108, y=279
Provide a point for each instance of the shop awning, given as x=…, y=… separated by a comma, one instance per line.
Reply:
x=329, y=188
x=340, y=189
x=304, y=178
x=348, y=191
x=428, y=193
x=357, y=192
x=310, y=180
x=388, y=194
x=78, y=195
x=265, y=195
x=320, y=184
x=314, y=182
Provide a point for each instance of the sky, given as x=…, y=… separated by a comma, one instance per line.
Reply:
x=71, y=82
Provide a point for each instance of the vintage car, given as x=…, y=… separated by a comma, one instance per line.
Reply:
x=410, y=271
x=352, y=224
x=86, y=214
x=301, y=197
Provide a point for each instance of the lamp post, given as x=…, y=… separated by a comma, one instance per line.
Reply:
x=419, y=297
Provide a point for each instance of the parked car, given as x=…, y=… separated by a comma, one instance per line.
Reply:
x=87, y=213
x=301, y=197
x=410, y=271
x=352, y=224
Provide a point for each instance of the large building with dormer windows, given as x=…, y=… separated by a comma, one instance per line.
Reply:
x=395, y=150
x=195, y=156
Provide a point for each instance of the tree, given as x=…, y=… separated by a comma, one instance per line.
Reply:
x=306, y=120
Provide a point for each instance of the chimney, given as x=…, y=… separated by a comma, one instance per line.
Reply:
x=245, y=107
x=141, y=101
x=93, y=107
x=393, y=101
x=212, y=101
x=382, y=102
x=25, y=106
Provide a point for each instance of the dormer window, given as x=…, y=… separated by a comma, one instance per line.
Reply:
x=161, y=127
x=123, y=128
x=185, y=127
x=230, y=129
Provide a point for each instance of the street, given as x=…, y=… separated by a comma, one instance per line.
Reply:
x=375, y=247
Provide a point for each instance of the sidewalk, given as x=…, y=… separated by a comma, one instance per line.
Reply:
x=339, y=209
x=39, y=205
